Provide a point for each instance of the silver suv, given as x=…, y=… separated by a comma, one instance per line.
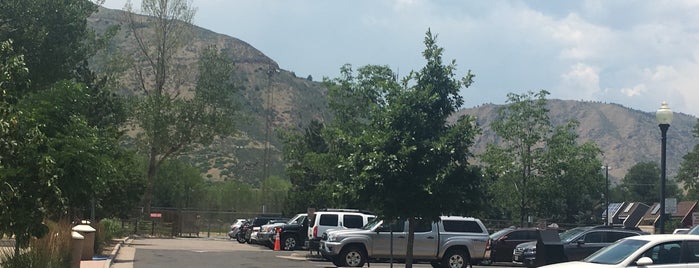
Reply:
x=323, y=220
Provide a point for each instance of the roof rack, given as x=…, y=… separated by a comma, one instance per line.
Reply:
x=346, y=210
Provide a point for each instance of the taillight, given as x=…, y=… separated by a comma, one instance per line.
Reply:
x=315, y=231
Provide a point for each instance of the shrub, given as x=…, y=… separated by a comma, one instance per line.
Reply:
x=50, y=251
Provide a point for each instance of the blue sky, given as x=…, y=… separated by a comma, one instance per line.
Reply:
x=634, y=53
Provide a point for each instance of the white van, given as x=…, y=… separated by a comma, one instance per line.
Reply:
x=325, y=219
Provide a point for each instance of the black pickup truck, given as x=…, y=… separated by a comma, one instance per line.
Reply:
x=293, y=234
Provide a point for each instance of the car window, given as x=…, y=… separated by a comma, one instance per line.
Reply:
x=461, y=226
x=328, y=220
x=398, y=226
x=423, y=226
x=518, y=235
x=595, y=237
x=531, y=235
x=616, y=252
x=614, y=236
x=666, y=253
x=352, y=221
x=692, y=251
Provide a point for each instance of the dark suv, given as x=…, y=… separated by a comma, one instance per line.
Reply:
x=578, y=243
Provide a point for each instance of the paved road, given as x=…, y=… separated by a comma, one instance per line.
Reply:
x=202, y=252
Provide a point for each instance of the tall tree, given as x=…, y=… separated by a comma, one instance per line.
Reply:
x=53, y=37
x=688, y=174
x=171, y=121
x=409, y=163
x=642, y=184
x=572, y=181
x=523, y=125
x=27, y=172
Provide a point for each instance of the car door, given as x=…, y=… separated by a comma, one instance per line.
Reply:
x=386, y=243
x=666, y=255
x=586, y=244
x=426, y=240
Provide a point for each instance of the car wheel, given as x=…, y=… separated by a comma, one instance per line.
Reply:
x=351, y=256
x=455, y=258
x=239, y=237
x=289, y=242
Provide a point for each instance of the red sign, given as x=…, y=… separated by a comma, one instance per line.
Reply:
x=156, y=215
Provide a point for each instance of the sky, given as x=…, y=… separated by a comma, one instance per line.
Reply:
x=634, y=53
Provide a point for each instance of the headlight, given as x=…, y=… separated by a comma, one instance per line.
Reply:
x=530, y=250
x=331, y=238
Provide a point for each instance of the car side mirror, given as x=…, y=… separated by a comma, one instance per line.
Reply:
x=383, y=229
x=581, y=242
x=644, y=261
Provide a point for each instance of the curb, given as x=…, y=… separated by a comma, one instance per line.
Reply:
x=115, y=251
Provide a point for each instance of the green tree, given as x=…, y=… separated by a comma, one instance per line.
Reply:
x=523, y=125
x=409, y=162
x=549, y=174
x=177, y=185
x=572, y=181
x=171, y=123
x=27, y=172
x=642, y=184
x=53, y=37
x=688, y=174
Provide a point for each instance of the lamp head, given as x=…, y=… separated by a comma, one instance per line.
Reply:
x=664, y=114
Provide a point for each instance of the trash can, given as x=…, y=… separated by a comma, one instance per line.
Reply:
x=88, y=249
x=549, y=248
x=76, y=249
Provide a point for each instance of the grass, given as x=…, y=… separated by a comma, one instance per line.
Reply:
x=50, y=251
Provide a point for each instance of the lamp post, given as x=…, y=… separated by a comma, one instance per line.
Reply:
x=606, y=195
x=664, y=117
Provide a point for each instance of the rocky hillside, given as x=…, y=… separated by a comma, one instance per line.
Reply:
x=276, y=99
x=270, y=98
x=626, y=136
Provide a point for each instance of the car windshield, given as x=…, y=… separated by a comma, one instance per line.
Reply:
x=616, y=252
x=694, y=230
x=568, y=236
x=500, y=233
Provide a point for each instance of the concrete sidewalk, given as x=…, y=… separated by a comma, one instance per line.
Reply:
x=118, y=255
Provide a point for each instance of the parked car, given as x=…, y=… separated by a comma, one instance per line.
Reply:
x=503, y=242
x=260, y=236
x=452, y=241
x=660, y=250
x=578, y=243
x=255, y=224
x=268, y=232
x=235, y=228
x=325, y=219
x=293, y=234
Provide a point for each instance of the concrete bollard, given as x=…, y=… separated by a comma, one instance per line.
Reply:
x=88, y=232
x=76, y=249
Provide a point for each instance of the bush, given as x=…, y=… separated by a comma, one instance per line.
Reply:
x=106, y=231
x=50, y=251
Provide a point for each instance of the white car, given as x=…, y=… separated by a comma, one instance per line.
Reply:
x=661, y=250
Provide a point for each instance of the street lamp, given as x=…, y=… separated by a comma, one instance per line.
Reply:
x=606, y=195
x=664, y=117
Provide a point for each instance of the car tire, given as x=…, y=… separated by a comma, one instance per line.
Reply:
x=455, y=258
x=240, y=238
x=351, y=256
x=289, y=242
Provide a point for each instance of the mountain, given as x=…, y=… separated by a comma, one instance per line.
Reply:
x=275, y=99
x=626, y=136
x=271, y=98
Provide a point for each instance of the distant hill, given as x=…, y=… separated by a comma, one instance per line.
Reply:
x=626, y=136
x=294, y=101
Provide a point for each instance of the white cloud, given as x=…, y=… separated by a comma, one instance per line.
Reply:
x=580, y=82
x=634, y=91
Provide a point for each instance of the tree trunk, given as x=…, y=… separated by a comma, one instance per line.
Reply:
x=411, y=242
